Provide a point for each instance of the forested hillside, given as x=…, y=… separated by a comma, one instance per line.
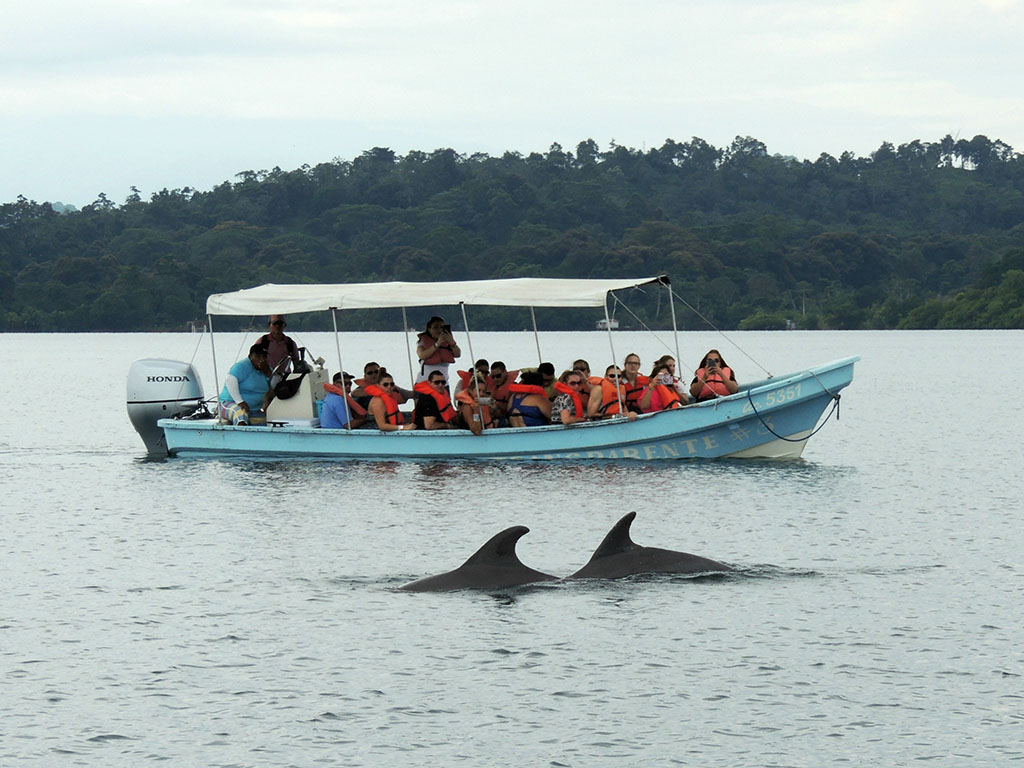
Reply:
x=921, y=235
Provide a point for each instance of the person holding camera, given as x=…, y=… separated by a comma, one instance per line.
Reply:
x=661, y=394
x=713, y=379
x=436, y=349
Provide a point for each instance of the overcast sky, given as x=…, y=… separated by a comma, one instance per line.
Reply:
x=99, y=95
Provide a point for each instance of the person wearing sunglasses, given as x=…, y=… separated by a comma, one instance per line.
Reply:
x=609, y=396
x=570, y=404
x=433, y=405
x=384, y=407
x=714, y=378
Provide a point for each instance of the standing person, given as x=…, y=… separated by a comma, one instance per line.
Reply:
x=634, y=382
x=436, y=349
x=336, y=413
x=569, y=406
x=714, y=378
x=282, y=351
x=246, y=392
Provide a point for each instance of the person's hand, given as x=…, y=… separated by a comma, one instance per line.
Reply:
x=244, y=406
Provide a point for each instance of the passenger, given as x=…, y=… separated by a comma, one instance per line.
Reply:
x=498, y=383
x=335, y=414
x=465, y=377
x=282, y=351
x=529, y=405
x=713, y=379
x=679, y=384
x=246, y=392
x=605, y=397
x=661, y=393
x=383, y=406
x=584, y=367
x=436, y=349
x=474, y=411
x=371, y=373
x=634, y=382
x=547, y=373
x=433, y=405
x=569, y=406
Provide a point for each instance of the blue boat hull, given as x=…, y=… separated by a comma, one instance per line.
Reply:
x=767, y=419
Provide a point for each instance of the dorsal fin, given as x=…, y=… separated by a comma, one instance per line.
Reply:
x=617, y=540
x=500, y=549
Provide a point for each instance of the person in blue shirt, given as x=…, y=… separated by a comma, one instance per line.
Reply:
x=246, y=392
x=334, y=414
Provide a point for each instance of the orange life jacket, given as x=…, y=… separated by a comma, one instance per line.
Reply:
x=634, y=391
x=669, y=397
x=485, y=410
x=610, y=398
x=391, y=414
x=354, y=408
x=444, y=403
x=715, y=386
x=577, y=399
x=528, y=389
x=441, y=354
x=501, y=394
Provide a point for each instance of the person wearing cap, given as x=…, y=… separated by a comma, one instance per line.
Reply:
x=246, y=392
x=282, y=351
x=336, y=413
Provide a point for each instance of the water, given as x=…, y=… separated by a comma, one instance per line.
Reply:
x=243, y=613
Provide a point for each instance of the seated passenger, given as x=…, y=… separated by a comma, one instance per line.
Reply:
x=383, y=406
x=498, y=383
x=371, y=374
x=340, y=410
x=569, y=406
x=473, y=406
x=634, y=381
x=528, y=405
x=246, y=392
x=608, y=397
x=465, y=377
x=680, y=385
x=661, y=394
x=547, y=373
x=433, y=406
x=713, y=379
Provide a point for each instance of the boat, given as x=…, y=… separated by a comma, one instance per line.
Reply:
x=769, y=418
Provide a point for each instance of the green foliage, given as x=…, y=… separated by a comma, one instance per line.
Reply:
x=920, y=235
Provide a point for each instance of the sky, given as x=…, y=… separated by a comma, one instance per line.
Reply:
x=100, y=96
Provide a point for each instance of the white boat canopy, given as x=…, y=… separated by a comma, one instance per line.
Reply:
x=516, y=292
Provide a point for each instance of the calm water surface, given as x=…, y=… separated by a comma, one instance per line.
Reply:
x=243, y=613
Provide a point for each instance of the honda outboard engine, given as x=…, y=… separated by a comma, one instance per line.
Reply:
x=160, y=389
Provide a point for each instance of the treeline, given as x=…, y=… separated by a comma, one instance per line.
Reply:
x=921, y=235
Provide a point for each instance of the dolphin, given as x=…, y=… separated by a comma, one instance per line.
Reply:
x=494, y=566
x=618, y=556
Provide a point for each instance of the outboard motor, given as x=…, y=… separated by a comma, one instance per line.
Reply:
x=160, y=389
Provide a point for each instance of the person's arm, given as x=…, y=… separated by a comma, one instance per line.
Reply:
x=380, y=416
x=594, y=403
x=231, y=384
x=645, y=400
x=731, y=384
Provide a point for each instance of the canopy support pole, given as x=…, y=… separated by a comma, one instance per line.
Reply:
x=341, y=367
x=675, y=330
x=611, y=345
x=536, y=336
x=408, y=350
x=216, y=376
x=472, y=370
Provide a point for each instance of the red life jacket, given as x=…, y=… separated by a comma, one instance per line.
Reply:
x=441, y=354
x=391, y=414
x=355, y=408
x=577, y=399
x=485, y=410
x=610, y=398
x=501, y=394
x=528, y=389
x=715, y=386
x=444, y=403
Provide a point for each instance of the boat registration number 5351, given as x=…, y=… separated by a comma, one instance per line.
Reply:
x=775, y=397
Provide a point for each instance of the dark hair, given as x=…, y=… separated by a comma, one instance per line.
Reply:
x=704, y=361
x=481, y=363
x=582, y=362
x=564, y=378
x=659, y=366
x=532, y=379
x=431, y=321
x=257, y=349
x=547, y=369
x=499, y=364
